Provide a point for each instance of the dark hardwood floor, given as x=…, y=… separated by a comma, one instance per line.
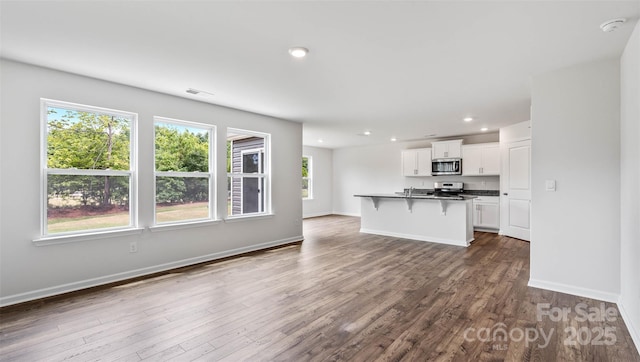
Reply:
x=340, y=296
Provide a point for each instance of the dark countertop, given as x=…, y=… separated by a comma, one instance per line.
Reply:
x=465, y=192
x=419, y=197
x=428, y=195
x=482, y=192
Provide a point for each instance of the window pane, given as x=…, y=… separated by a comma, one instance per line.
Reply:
x=305, y=188
x=247, y=153
x=305, y=166
x=245, y=195
x=87, y=140
x=306, y=177
x=180, y=148
x=181, y=198
x=76, y=203
x=251, y=162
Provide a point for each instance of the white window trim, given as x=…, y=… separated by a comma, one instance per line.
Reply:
x=94, y=235
x=260, y=175
x=188, y=224
x=211, y=175
x=246, y=217
x=266, y=174
x=309, y=177
x=89, y=234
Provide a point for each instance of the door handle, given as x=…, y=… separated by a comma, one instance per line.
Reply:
x=506, y=194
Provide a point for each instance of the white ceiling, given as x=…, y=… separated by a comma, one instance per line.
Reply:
x=403, y=69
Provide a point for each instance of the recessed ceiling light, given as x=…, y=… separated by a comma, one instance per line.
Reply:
x=484, y=129
x=320, y=140
x=298, y=52
x=393, y=139
x=367, y=133
x=468, y=119
x=611, y=25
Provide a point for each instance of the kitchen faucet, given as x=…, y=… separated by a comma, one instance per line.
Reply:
x=409, y=192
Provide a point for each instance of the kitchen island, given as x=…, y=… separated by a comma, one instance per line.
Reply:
x=446, y=220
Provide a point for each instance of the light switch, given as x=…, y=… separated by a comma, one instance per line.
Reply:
x=550, y=185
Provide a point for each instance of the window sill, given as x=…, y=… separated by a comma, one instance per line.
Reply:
x=307, y=198
x=183, y=225
x=248, y=217
x=64, y=239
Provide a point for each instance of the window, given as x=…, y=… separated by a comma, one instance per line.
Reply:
x=184, y=178
x=307, y=185
x=248, y=168
x=88, y=168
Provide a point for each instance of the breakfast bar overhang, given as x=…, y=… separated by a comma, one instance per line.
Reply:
x=446, y=220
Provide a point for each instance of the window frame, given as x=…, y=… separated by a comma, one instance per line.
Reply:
x=45, y=171
x=309, y=177
x=211, y=174
x=265, y=175
x=260, y=152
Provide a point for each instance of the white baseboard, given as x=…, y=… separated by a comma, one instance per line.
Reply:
x=417, y=237
x=316, y=214
x=573, y=290
x=93, y=282
x=346, y=214
x=634, y=330
x=486, y=230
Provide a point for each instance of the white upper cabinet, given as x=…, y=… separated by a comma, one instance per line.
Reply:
x=409, y=163
x=447, y=149
x=416, y=162
x=481, y=159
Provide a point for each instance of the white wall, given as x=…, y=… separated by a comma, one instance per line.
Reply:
x=378, y=169
x=575, y=231
x=630, y=185
x=322, y=182
x=367, y=169
x=516, y=132
x=28, y=271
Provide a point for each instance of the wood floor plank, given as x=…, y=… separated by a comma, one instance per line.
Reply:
x=338, y=296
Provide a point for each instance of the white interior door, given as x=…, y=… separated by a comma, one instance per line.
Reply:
x=515, y=201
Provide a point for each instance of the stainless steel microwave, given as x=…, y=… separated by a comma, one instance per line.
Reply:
x=446, y=166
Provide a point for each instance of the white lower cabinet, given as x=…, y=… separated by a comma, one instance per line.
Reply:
x=486, y=213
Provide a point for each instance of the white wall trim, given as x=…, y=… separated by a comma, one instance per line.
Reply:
x=93, y=282
x=417, y=237
x=518, y=139
x=316, y=214
x=486, y=230
x=634, y=330
x=346, y=214
x=573, y=290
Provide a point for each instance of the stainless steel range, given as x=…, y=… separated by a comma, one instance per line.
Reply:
x=448, y=188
